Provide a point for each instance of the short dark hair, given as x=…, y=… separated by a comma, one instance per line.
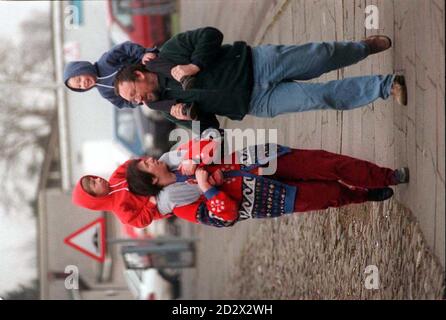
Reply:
x=140, y=182
x=127, y=74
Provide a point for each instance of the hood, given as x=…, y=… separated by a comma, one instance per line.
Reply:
x=76, y=68
x=129, y=208
x=104, y=203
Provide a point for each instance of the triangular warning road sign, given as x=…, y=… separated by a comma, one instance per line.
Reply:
x=89, y=239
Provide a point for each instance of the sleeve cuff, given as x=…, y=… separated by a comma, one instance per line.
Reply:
x=211, y=193
x=154, y=50
x=198, y=64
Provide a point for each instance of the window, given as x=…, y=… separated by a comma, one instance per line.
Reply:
x=126, y=131
x=126, y=128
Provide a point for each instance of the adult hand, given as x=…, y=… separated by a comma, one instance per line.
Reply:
x=188, y=167
x=217, y=178
x=183, y=70
x=201, y=176
x=147, y=57
x=212, y=181
x=177, y=112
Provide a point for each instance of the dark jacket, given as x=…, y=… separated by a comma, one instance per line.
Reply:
x=112, y=61
x=106, y=68
x=225, y=81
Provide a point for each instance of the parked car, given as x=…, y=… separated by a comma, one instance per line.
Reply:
x=162, y=227
x=146, y=22
x=150, y=284
x=140, y=134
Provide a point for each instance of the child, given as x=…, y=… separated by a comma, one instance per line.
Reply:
x=96, y=193
x=81, y=76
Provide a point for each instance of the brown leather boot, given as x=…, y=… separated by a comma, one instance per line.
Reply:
x=378, y=43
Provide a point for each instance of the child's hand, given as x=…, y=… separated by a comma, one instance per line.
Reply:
x=152, y=199
x=202, y=179
x=181, y=71
x=188, y=167
x=147, y=57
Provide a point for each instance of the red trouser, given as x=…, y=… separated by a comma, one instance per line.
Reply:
x=316, y=173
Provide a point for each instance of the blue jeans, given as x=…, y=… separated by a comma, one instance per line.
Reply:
x=279, y=71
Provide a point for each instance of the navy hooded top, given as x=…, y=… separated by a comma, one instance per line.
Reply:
x=106, y=68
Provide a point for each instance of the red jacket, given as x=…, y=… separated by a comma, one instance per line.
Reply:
x=133, y=209
x=223, y=204
x=202, y=151
x=130, y=209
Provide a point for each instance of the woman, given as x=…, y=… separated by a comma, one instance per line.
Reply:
x=305, y=180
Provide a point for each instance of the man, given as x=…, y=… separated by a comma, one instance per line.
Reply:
x=236, y=80
x=81, y=76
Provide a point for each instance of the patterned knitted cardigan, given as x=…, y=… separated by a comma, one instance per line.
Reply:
x=244, y=194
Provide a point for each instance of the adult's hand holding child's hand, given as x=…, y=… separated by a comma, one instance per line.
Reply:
x=183, y=70
x=201, y=176
x=188, y=167
x=217, y=178
x=177, y=112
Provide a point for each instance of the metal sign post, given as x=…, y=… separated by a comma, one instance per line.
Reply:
x=159, y=253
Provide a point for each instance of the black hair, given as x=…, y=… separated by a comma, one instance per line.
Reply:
x=127, y=74
x=140, y=182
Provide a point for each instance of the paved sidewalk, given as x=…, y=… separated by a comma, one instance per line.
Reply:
x=385, y=133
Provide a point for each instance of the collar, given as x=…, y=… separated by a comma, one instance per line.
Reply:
x=182, y=178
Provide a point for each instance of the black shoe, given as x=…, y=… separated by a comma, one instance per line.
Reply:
x=190, y=110
x=379, y=194
x=402, y=175
x=187, y=82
